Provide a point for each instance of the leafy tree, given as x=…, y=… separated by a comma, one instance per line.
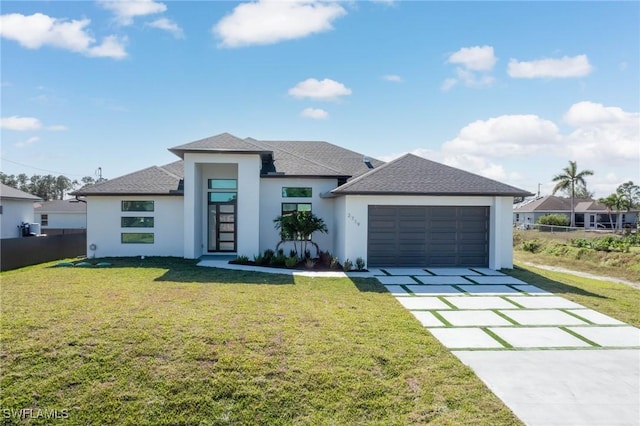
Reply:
x=47, y=187
x=581, y=192
x=299, y=227
x=630, y=193
x=568, y=180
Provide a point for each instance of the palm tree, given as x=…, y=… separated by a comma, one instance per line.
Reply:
x=299, y=227
x=567, y=181
x=614, y=202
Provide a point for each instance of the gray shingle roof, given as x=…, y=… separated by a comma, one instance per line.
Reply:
x=153, y=180
x=316, y=158
x=223, y=142
x=60, y=206
x=553, y=204
x=407, y=175
x=9, y=193
x=413, y=175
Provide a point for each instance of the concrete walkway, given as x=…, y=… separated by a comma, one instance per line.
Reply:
x=550, y=360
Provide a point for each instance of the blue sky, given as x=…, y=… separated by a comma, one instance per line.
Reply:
x=509, y=90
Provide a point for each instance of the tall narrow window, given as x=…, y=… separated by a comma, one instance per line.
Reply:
x=44, y=220
x=222, y=200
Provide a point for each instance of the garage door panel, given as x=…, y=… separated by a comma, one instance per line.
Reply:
x=442, y=211
x=428, y=236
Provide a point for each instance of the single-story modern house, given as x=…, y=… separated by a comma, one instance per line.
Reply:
x=223, y=194
x=16, y=208
x=57, y=215
x=588, y=212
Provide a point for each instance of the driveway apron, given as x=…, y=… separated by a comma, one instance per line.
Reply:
x=552, y=361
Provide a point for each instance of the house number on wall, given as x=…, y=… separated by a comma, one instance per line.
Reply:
x=353, y=219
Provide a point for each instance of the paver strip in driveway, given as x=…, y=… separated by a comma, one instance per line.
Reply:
x=551, y=360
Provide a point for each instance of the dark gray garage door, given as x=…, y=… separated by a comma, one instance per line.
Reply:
x=428, y=236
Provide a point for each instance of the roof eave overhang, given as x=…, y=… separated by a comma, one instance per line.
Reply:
x=35, y=200
x=180, y=152
x=116, y=194
x=305, y=176
x=439, y=194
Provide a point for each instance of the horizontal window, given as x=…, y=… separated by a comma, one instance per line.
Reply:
x=288, y=208
x=137, y=206
x=137, y=222
x=222, y=197
x=224, y=184
x=136, y=238
x=292, y=192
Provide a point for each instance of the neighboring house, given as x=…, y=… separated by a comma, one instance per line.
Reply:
x=57, y=215
x=16, y=207
x=588, y=213
x=224, y=193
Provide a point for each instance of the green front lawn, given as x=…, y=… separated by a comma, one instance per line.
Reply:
x=161, y=341
x=619, y=301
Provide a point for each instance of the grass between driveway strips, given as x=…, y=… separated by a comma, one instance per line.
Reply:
x=162, y=341
x=617, y=300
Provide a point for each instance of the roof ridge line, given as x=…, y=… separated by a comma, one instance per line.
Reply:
x=303, y=157
x=168, y=172
x=362, y=176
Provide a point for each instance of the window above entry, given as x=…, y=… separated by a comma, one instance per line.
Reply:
x=296, y=192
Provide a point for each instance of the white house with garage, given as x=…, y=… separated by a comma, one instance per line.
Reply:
x=59, y=215
x=224, y=192
x=16, y=208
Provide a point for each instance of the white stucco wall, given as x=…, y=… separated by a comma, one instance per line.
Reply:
x=198, y=168
x=14, y=212
x=352, y=220
x=271, y=207
x=63, y=220
x=104, y=226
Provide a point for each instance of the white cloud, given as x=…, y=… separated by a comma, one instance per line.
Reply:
x=167, y=25
x=271, y=21
x=475, y=64
x=37, y=30
x=28, y=142
x=392, y=77
x=315, y=113
x=565, y=67
x=20, y=123
x=27, y=124
x=126, y=10
x=326, y=89
x=476, y=58
x=505, y=136
x=524, y=150
x=603, y=134
x=589, y=114
x=471, y=79
x=111, y=47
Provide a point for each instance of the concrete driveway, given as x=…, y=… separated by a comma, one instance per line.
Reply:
x=552, y=361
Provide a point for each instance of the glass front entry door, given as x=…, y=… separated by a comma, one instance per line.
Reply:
x=222, y=227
